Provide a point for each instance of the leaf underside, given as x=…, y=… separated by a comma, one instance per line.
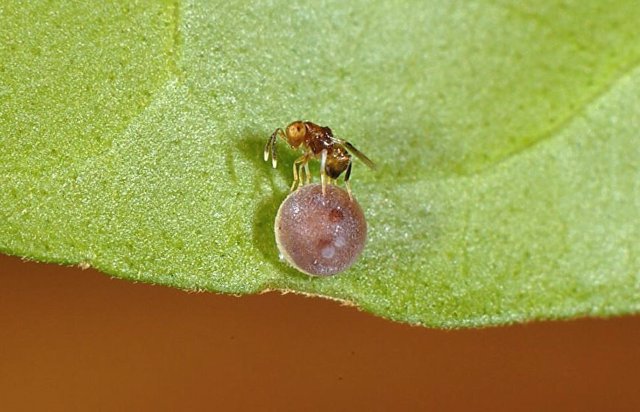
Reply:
x=506, y=135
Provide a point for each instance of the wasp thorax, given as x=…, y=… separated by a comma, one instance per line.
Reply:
x=320, y=234
x=295, y=133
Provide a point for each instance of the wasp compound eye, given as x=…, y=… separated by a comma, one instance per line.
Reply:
x=320, y=235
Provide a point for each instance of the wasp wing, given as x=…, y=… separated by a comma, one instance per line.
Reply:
x=357, y=153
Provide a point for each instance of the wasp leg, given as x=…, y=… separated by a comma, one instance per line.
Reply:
x=295, y=175
x=301, y=172
x=299, y=161
x=346, y=179
x=306, y=169
x=323, y=173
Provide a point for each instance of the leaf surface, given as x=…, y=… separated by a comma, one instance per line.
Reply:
x=506, y=134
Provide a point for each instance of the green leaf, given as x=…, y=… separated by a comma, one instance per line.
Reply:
x=506, y=134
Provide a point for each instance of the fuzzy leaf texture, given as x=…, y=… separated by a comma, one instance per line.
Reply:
x=506, y=134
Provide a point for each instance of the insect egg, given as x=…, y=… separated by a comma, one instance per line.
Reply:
x=320, y=235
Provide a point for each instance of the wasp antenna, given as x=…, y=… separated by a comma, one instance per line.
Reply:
x=270, y=147
x=274, y=138
x=267, y=148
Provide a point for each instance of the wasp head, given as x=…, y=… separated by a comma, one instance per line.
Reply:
x=296, y=132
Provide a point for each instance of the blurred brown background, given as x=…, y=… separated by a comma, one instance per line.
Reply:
x=78, y=340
